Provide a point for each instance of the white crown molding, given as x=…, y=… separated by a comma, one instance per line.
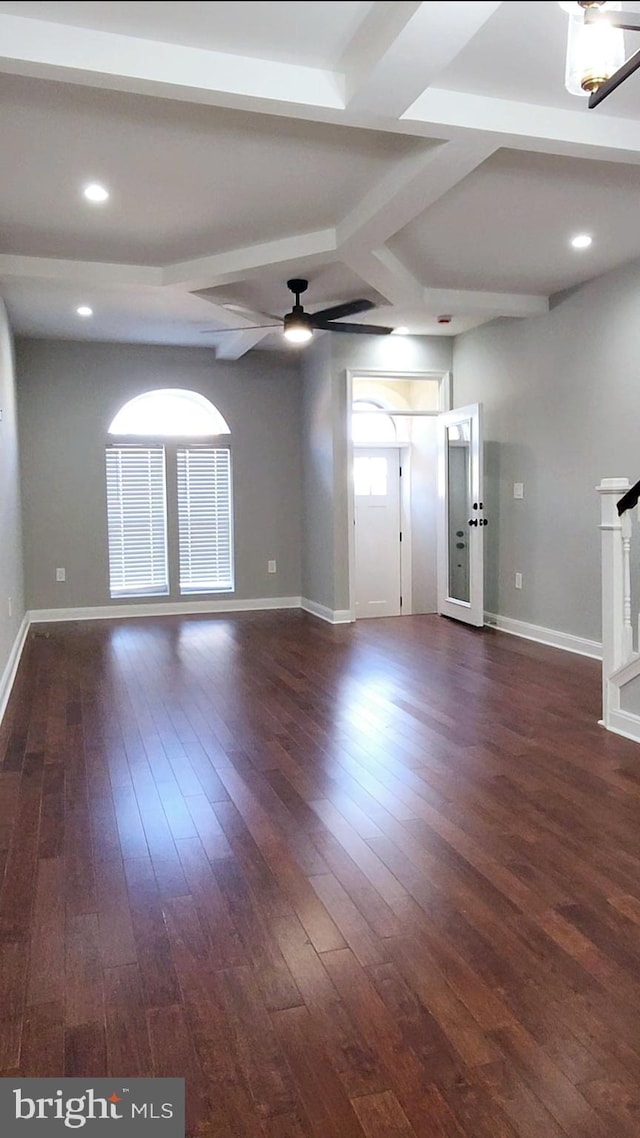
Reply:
x=554, y=639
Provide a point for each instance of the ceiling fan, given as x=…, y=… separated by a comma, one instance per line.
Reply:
x=298, y=326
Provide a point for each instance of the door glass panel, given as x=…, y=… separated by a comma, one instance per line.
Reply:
x=378, y=477
x=461, y=545
x=369, y=477
x=460, y=508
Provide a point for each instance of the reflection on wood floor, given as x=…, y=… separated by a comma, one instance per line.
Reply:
x=379, y=880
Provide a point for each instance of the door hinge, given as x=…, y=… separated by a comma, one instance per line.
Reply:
x=401, y=472
x=400, y=535
x=400, y=602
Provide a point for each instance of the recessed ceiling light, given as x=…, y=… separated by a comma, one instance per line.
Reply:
x=94, y=192
x=581, y=241
x=84, y=310
x=402, y=331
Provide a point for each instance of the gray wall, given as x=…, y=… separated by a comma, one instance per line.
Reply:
x=325, y=576
x=323, y=498
x=11, y=583
x=68, y=393
x=561, y=395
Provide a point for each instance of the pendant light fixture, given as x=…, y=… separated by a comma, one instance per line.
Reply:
x=596, y=62
x=594, y=50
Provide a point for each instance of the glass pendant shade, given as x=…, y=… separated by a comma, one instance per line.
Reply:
x=594, y=52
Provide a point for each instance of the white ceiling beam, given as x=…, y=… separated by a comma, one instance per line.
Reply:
x=409, y=188
x=82, y=272
x=225, y=268
x=107, y=59
x=402, y=195
x=379, y=30
x=527, y=126
x=201, y=273
x=237, y=344
x=384, y=272
x=478, y=303
x=387, y=68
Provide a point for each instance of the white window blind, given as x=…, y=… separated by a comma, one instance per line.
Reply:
x=137, y=521
x=205, y=519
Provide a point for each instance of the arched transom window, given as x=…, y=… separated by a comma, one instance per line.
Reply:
x=370, y=423
x=169, y=413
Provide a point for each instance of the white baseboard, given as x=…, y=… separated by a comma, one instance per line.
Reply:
x=332, y=616
x=9, y=674
x=163, y=608
x=564, y=640
x=623, y=723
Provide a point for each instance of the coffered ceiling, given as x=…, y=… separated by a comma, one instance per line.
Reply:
x=423, y=155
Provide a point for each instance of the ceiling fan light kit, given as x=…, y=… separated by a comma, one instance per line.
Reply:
x=596, y=63
x=297, y=328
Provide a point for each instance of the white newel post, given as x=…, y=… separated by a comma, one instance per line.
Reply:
x=616, y=594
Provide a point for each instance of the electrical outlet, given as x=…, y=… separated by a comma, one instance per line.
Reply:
x=518, y=489
x=271, y=567
x=518, y=580
x=61, y=574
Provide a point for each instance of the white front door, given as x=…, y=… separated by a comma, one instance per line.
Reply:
x=461, y=515
x=376, y=477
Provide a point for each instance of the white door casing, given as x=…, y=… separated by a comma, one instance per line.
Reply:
x=461, y=518
x=376, y=477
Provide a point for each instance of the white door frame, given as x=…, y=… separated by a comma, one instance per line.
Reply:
x=444, y=404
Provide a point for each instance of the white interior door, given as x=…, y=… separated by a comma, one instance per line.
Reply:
x=462, y=521
x=376, y=477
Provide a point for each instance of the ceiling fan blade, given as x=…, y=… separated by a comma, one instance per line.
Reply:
x=356, y=329
x=246, y=328
x=248, y=313
x=348, y=309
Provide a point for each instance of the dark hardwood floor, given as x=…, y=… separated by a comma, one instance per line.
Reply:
x=373, y=881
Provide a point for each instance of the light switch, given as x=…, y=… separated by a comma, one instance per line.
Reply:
x=518, y=489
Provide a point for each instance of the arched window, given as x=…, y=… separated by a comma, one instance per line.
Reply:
x=169, y=413
x=189, y=482
x=370, y=424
